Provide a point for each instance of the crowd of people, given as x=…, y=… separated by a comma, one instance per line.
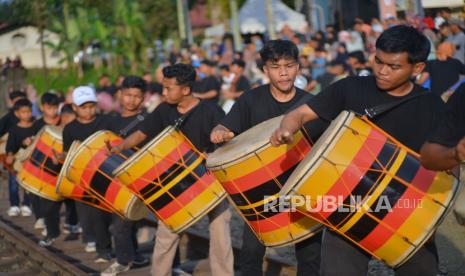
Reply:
x=367, y=65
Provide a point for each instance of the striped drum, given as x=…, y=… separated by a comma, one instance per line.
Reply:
x=39, y=174
x=386, y=203
x=90, y=166
x=253, y=172
x=169, y=175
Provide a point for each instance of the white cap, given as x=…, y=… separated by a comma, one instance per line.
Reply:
x=84, y=94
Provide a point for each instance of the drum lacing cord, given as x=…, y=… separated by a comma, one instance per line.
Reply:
x=384, y=173
x=94, y=192
x=260, y=213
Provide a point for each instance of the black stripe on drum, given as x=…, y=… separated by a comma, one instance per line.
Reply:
x=367, y=182
x=182, y=186
x=257, y=193
x=127, y=153
x=37, y=159
x=102, y=177
x=175, y=169
x=393, y=192
x=100, y=183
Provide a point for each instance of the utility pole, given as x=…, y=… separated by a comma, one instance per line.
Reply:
x=181, y=21
x=236, y=33
x=269, y=14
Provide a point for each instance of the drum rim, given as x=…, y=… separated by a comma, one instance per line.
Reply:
x=81, y=146
x=251, y=149
x=319, y=149
x=138, y=154
x=205, y=212
x=54, y=131
x=37, y=193
x=62, y=173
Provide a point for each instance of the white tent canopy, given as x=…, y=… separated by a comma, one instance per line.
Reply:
x=442, y=3
x=253, y=18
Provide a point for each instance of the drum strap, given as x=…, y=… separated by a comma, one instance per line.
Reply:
x=134, y=123
x=179, y=121
x=382, y=108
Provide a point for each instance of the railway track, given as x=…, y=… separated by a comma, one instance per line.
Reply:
x=20, y=253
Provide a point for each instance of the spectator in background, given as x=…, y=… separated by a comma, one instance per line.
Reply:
x=319, y=63
x=357, y=64
x=444, y=71
x=457, y=37
x=105, y=85
x=207, y=87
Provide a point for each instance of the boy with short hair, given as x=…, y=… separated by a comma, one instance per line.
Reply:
x=19, y=136
x=87, y=122
x=124, y=124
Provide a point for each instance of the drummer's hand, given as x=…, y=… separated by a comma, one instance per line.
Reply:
x=28, y=141
x=110, y=149
x=460, y=150
x=10, y=159
x=281, y=136
x=221, y=134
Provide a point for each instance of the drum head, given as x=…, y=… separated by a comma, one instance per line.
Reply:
x=54, y=131
x=319, y=150
x=136, y=156
x=244, y=144
x=137, y=209
x=74, y=146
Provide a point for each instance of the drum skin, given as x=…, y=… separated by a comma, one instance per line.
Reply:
x=253, y=173
x=169, y=175
x=400, y=203
x=39, y=173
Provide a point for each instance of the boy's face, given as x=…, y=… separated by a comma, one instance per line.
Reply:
x=131, y=99
x=282, y=73
x=24, y=113
x=86, y=111
x=174, y=92
x=50, y=111
x=393, y=69
x=236, y=69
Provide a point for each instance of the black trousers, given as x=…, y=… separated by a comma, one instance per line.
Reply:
x=37, y=205
x=71, y=216
x=124, y=234
x=84, y=213
x=341, y=257
x=252, y=253
x=51, y=212
x=101, y=222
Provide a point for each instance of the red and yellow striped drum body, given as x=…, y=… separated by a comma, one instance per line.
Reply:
x=39, y=174
x=169, y=175
x=400, y=203
x=68, y=189
x=250, y=169
x=91, y=167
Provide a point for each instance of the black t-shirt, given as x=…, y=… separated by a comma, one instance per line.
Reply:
x=452, y=128
x=444, y=74
x=17, y=135
x=258, y=105
x=125, y=126
x=206, y=84
x=79, y=131
x=7, y=122
x=242, y=84
x=410, y=123
x=197, y=126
